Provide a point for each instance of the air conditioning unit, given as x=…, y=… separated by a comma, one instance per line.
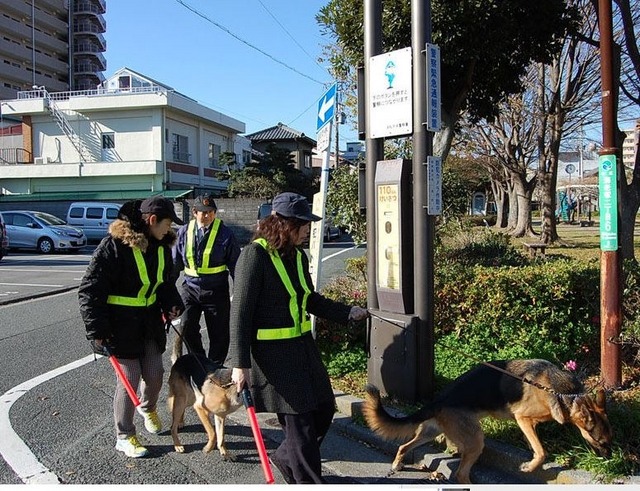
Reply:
x=42, y=160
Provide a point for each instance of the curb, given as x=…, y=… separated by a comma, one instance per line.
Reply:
x=496, y=458
x=49, y=293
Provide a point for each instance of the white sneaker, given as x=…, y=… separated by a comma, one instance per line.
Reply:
x=131, y=447
x=151, y=421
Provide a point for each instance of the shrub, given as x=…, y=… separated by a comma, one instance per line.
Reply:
x=466, y=245
x=350, y=289
x=543, y=310
x=630, y=333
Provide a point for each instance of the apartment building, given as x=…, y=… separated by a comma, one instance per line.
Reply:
x=130, y=138
x=56, y=44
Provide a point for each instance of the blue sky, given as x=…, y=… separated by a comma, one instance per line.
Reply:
x=167, y=41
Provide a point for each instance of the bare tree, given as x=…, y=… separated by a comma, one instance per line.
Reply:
x=627, y=17
x=567, y=89
x=557, y=98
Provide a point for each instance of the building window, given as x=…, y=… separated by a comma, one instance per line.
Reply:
x=214, y=155
x=180, y=145
x=246, y=157
x=108, y=141
x=307, y=160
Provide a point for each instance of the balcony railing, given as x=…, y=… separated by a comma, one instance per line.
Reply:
x=15, y=156
x=95, y=14
x=86, y=6
x=61, y=96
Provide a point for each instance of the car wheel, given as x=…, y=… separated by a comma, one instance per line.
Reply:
x=45, y=245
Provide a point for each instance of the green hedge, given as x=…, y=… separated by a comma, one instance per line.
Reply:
x=544, y=310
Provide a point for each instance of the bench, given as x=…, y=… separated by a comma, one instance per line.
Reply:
x=535, y=248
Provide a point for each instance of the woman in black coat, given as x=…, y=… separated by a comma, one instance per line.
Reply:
x=272, y=348
x=123, y=294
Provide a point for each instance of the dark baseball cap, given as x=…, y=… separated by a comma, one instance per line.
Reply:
x=157, y=205
x=292, y=205
x=204, y=203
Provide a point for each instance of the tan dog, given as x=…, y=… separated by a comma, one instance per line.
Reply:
x=484, y=391
x=196, y=381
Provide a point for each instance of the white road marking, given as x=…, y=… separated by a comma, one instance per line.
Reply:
x=44, y=270
x=338, y=253
x=31, y=284
x=13, y=450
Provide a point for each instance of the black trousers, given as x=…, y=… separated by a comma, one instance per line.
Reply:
x=299, y=453
x=216, y=306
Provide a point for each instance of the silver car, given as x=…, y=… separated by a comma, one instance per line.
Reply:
x=41, y=231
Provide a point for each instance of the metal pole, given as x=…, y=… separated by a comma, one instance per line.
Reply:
x=336, y=121
x=33, y=43
x=374, y=147
x=423, y=224
x=610, y=261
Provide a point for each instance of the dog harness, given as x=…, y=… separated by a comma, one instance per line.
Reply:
x=191, y=269
x=142, y=300
x=301, y=321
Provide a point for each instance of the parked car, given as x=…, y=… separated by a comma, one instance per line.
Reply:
x=92, y=217
x=4, y=238
x=330, y=231
x=41, y=231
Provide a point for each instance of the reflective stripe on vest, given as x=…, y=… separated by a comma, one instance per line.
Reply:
x=190, y=249
x=299, y=328
x=142, y=300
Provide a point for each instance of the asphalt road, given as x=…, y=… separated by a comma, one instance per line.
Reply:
x=56, y=423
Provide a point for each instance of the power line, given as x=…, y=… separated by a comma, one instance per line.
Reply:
x=220, y=26
x=289, y=34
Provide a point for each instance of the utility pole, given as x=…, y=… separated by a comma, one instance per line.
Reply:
x=337, y=118
x=610, y=260
x=373, y=146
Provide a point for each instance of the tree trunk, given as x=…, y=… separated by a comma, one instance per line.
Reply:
x=512, y=220
x=523, y=192
x=501, y=199
x=442, y=139
x=548, y=208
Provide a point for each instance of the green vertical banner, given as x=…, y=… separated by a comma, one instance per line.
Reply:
x=608, y=200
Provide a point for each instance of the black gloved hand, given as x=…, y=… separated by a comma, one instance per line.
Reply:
x=99, y=347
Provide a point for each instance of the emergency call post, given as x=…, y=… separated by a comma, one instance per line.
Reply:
x=394, y=233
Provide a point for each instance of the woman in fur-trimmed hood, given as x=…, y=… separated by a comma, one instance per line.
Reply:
x=127, y=287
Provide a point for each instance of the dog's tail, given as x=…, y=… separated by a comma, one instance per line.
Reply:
x=390, y=427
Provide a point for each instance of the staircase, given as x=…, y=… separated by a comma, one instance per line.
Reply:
x=66, y=128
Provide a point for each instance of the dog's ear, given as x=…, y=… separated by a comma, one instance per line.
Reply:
x=601, y=399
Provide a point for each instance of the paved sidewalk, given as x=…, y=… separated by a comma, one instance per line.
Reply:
x=353, y=454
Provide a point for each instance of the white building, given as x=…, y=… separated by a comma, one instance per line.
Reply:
x=130, y=138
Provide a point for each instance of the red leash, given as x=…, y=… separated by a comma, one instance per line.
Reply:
x=257, y=436
x=116, y=366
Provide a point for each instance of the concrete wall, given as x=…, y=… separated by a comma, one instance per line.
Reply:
x=241, y=215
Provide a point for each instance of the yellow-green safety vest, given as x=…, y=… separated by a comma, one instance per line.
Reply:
x=302, y=323
x=142, y=300
x=191, y=269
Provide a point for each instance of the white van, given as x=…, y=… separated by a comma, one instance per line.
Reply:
x=93, y=217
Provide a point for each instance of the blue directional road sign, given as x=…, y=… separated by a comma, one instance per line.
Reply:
x=326, y=106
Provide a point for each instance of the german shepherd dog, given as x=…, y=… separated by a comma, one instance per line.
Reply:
x=197, y=381
x=484, y=391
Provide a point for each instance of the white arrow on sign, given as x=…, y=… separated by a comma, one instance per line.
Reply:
x=325, y=106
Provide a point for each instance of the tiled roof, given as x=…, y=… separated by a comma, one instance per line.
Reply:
x=279, y=132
